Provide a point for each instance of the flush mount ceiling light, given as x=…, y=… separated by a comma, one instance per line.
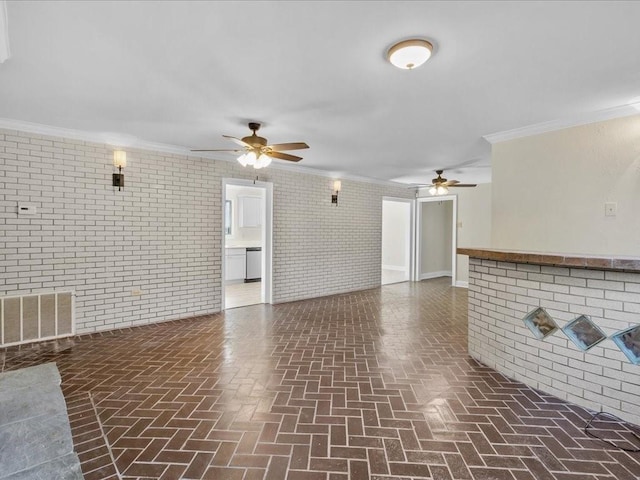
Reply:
x=410, y=54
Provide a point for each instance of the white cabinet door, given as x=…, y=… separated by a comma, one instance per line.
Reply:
x=235, y=267
x=250, y=211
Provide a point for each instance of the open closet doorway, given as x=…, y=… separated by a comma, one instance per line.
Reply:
x=436, y=239
x=397, y=240
x=247, y=242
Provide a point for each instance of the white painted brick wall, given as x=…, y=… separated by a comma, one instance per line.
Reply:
x=601, y=378
x=162, y=234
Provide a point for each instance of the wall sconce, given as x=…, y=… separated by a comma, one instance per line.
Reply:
x=337, y=186
x=120, y=161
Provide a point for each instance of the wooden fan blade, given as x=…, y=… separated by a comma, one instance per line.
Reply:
x=237, y=140
x=464, y=185
x=450, y=183
x=280, y=147
x=285, y=156
x=224, y=150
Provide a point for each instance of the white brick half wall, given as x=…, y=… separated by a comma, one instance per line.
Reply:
x=501, y=295
x=163, y=233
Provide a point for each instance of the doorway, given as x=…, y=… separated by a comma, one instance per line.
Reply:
x=397, y=240
x=247, y=242
x=436, y=239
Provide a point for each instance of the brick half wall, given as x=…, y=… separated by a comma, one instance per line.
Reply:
x=500, y=296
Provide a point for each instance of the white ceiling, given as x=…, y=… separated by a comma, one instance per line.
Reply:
x=184, y=73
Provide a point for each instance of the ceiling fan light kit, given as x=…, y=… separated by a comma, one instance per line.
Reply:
x=439, y=190
x=410, y=54
x=256, y=152
x=257, y=162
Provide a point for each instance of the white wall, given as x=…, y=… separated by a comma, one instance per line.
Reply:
x=474, y=224
x=242, y=236
x=549, y=190
x=435, y=238
x=163, y=233
x=396, y=223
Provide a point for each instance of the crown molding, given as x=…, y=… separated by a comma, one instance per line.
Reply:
x=107, y=138
x=128, y=141
x=553, y=125
x=5, y=52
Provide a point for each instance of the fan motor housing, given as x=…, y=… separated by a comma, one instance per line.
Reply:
x=255, y=140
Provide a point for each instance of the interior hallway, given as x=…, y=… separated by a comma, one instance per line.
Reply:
x=242, y=294
x=372, y=384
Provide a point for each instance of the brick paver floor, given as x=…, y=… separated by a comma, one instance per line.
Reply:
x=368, y=385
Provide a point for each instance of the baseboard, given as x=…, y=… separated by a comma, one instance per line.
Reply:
x=395, y=268
x=427, y=276
x=462, y=284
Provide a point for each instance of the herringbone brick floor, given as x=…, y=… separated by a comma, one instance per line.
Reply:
x=369, y=385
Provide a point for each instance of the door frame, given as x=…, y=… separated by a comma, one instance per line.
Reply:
x=411, y=246
x=266, y=292
x=454, y=234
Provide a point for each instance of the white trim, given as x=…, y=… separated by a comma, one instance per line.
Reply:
x=395, y=268
x=109, y=138
x=5, y=51
x=22, y=319
x=442, y=273
x=462, y=284
x=129, y=141
x=553, y=125
x=454, y=233
x=267, y=241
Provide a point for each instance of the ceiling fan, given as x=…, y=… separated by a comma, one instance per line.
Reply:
x=256, y=153
x=440, y=185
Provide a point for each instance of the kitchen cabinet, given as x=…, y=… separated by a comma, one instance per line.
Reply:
x=235, y=264
x=249, y=211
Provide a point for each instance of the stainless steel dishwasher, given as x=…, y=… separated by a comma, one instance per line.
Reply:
x=254, y=264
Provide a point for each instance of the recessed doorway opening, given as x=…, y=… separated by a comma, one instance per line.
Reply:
x=397, y=240
x=436, y=239
x=247, y=242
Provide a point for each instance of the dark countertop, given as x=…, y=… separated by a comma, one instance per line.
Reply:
x=593, y=262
